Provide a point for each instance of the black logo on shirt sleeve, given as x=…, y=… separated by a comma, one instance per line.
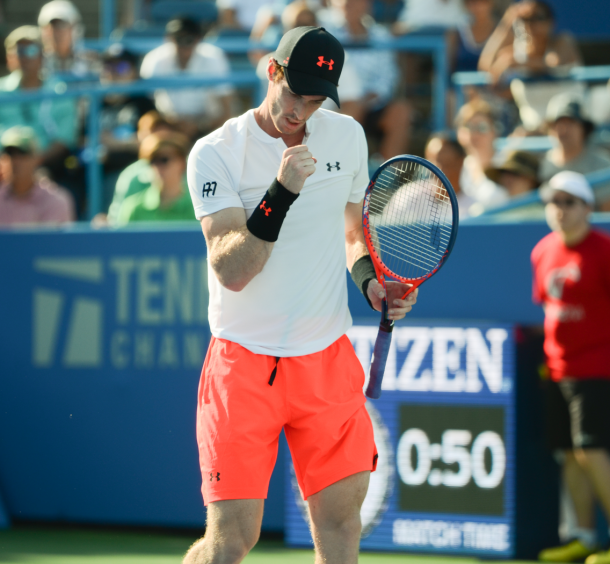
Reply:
x=330, y=167
x=209, y=189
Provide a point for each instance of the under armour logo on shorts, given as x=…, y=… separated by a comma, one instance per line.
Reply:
x=330, y=167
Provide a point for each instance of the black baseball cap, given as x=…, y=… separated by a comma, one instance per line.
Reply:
x=183, y=26
x=312, y=59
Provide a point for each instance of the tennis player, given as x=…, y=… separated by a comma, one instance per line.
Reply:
x=279, y=194
x=572, y=282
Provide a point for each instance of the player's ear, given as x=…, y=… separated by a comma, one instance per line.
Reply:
x=271, y=69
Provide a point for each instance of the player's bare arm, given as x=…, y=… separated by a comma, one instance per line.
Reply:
x=235, y=254
x=355, y=248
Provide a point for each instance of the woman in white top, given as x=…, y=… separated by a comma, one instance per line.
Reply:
x=476, y=133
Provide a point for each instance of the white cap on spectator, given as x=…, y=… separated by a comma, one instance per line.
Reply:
x=59, y=10
x=570, y=182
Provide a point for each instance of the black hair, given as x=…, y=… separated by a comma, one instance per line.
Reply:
x=546, y=8
x=183, y=25
x=117, y=52
x=450, y=139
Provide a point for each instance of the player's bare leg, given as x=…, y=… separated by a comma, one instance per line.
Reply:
x=596, y=462
x=335, y=519
x=233, y=528
x=581, y=491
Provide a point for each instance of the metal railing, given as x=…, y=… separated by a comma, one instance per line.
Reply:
x=584, y=74
x=594, y=178
x=433, y=44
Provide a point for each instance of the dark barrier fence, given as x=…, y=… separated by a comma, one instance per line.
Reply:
x=102, y=343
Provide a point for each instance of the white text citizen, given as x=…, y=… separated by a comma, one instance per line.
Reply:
x=461, y=358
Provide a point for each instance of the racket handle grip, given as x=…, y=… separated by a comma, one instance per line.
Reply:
x=380, y=356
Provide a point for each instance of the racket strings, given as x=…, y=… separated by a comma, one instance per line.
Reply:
x=410, y=219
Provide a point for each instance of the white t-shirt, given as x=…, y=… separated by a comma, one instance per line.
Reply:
x=207, y=60
x=435, y=13
x=245, y=10
x=297, y=305
x=481, y=189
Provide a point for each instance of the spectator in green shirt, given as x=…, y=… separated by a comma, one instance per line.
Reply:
x=137, y=176
x=167, y=198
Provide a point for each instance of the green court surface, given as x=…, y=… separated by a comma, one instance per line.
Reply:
x=55, y=545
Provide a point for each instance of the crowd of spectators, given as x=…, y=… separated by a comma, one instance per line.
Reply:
x=145, y=137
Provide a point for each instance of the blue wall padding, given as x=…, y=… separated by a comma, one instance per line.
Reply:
x=89, y=436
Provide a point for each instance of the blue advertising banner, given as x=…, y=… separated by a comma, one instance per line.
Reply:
x=103, y=340
x=445, y=433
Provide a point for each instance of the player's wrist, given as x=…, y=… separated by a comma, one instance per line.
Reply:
x=362, y=273
x=268, y=216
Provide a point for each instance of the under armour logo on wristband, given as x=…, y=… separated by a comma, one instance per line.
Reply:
x=330, y=167
x=321, y=62
x=267, y=210
x=212, y=476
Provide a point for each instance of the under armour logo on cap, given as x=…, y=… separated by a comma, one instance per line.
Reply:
x=321, y=62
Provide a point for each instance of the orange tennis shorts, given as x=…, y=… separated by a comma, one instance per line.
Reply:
x=246, y=399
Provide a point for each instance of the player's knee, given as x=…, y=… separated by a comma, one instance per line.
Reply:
x=225, y=549
x=345, y=524
x=236, y=549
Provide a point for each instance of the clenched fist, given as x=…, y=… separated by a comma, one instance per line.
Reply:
x=296, y=166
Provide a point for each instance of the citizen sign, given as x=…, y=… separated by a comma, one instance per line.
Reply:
x=438, y=359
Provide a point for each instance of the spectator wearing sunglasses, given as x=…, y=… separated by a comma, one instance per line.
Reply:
x=476, y=133
x=572, y=128
x=24, y=199
x=571, y=269
x=517, y=173
x=120, y=115
x=524, y=42
x=54, y=121
x=62, y=33
x=197, y=110
x=167, y=198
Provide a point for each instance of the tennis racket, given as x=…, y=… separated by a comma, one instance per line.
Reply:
x=410, y=218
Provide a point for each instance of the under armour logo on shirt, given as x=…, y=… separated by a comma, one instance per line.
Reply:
x=212, y=476
x=262, y=207
x=330, y=167
x=321, y=62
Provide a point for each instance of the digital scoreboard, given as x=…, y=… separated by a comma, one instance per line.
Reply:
x=444, y=429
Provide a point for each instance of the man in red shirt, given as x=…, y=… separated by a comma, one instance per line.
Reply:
x=572, y=282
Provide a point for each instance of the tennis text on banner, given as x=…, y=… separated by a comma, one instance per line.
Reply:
x=142, y=312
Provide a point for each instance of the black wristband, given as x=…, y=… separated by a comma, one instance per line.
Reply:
x=267, y=218
x=363, y=272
